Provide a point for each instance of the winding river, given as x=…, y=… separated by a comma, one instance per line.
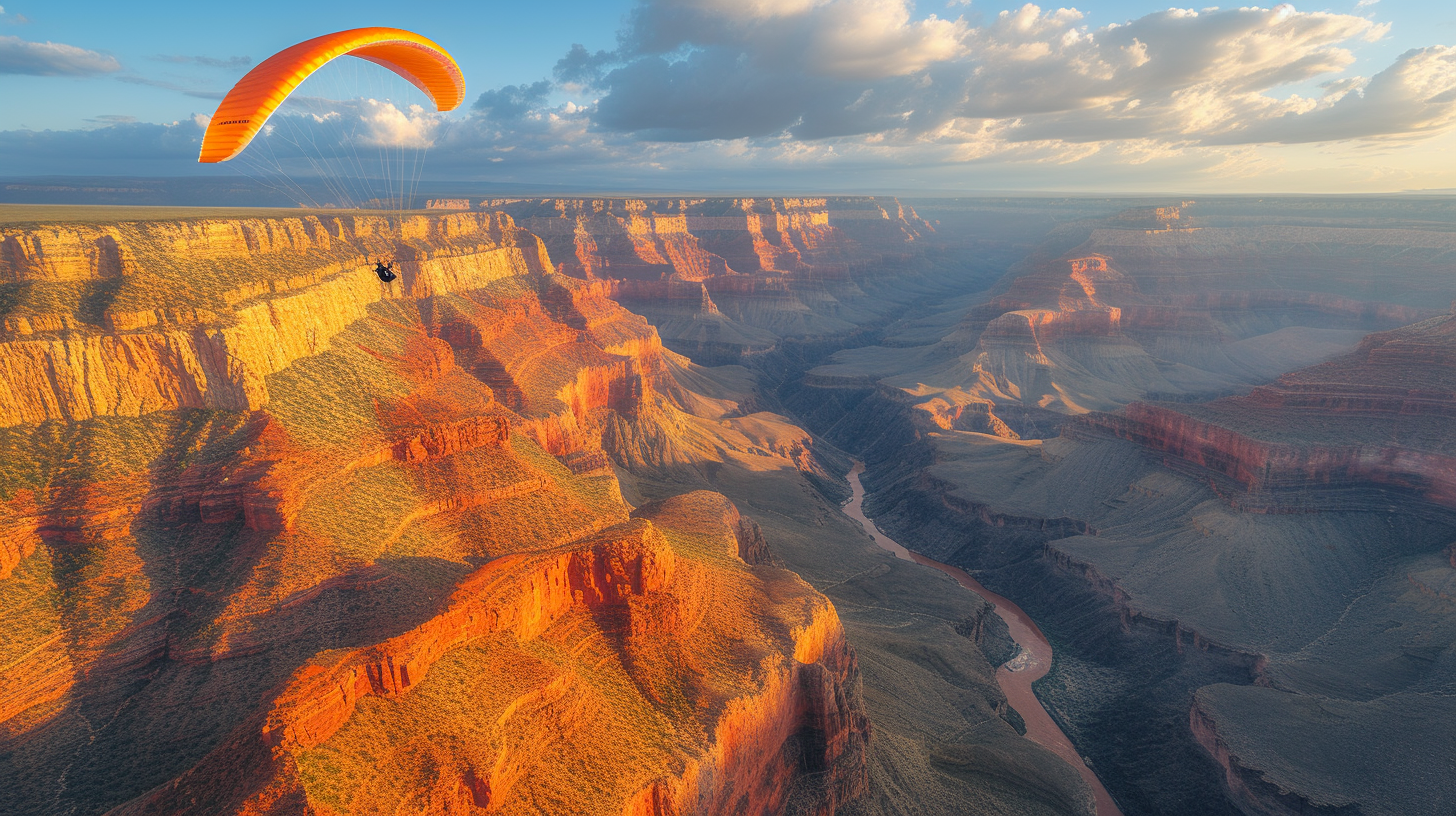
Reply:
x=1016, y=676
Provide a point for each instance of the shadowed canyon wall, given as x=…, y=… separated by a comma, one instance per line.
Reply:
x=1210, y=456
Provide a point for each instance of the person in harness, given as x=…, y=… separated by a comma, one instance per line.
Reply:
x=385, y=271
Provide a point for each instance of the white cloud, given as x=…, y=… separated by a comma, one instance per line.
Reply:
x=1414, y=98
x=851, y=39
x=844, y=92
x=693, y=70
x=869, y=39
x=388, y=126
x=19, y=56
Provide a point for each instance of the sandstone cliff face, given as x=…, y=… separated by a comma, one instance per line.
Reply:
x=1062, y=340
x=701, y=239
x=133, y=360
x=1081, y=327
x=624, y=239
x=505, y=595
x=725, y=278
x=630, y=574
x=251, y=476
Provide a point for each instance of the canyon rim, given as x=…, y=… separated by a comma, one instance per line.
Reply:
x=711, y=408
x=551, y=523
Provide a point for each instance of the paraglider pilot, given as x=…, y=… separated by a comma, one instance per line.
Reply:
x=385, y=271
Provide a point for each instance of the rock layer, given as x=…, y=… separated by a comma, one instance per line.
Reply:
x=132, y=357
x=1155, y=313
x=723, y=280
x=1218, y=484
x=238, y=471
x=1377, y=417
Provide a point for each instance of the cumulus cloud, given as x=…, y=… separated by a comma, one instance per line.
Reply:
x=561, y=136
x=164, y=149
x=1027, y=84
x=1413, y=98
x=512, y=101
x=693, y=70
x=306, y=137
x=19, y=56
x=385, y=125
x=850, y=39
x=315, y=126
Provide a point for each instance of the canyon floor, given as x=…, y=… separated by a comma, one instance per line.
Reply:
x=552, y=523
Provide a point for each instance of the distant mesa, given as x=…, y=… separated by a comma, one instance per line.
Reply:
x=1157, y=219
x=1236, y=440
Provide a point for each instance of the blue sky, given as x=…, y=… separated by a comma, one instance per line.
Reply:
x=495, y=44
x=813, y=95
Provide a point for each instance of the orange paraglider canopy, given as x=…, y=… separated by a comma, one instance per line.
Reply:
x=248, y=105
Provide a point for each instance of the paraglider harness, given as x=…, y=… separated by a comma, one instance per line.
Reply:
x=385, y=271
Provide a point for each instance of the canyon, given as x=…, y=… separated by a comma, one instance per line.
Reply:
x=552, y=522
x=1016, y=677
x=1207, y=456
x=280, y=537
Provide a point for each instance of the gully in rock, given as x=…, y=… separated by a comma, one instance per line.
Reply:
x=1016, y=677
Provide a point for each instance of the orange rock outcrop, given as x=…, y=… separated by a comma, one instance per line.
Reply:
x=337, y=517
x=722, y=278
x=133, y=358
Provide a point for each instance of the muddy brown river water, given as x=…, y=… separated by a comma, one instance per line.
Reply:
x=1017, y=675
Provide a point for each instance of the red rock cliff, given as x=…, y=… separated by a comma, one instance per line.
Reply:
x=327, y=510
x=157, y=340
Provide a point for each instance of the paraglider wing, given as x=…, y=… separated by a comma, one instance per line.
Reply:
x=248, y=105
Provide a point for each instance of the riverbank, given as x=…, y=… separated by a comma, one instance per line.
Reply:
x=1017, y=676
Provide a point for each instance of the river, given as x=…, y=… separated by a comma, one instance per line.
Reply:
x=1016, y=677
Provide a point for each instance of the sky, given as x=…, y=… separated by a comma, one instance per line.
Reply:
x=778, y=96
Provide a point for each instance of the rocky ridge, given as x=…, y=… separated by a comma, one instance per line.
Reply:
x=725, y=278
x=299, y=510
x=287, y=498
x=88, y=339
